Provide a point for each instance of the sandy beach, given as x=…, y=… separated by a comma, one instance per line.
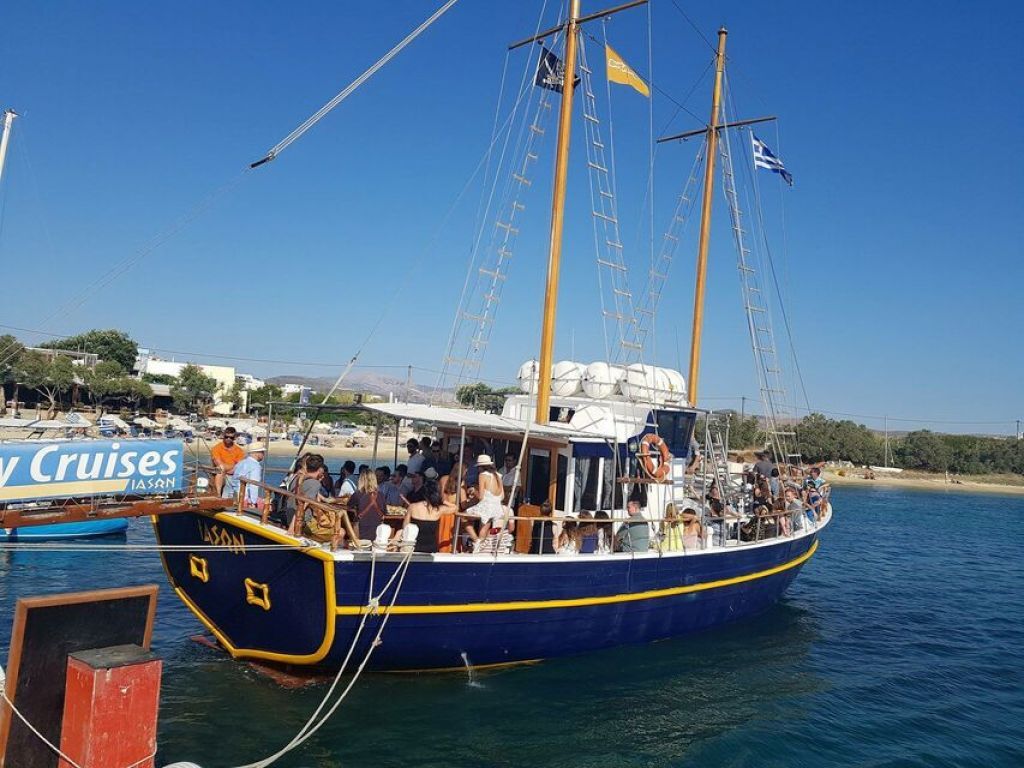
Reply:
x=926, y=481
x=333, y=455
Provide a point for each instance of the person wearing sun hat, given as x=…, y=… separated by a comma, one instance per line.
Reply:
x=251, y=469
x=490, y=493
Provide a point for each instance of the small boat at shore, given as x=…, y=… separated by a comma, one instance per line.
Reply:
x=64, y=531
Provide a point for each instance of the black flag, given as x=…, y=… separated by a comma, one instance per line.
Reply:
x=551, y=72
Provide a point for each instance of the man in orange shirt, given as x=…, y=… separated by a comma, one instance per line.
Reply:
x=224, y=456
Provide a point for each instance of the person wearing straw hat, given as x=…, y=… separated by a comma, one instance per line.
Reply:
x=251, y=469
x=489, y=491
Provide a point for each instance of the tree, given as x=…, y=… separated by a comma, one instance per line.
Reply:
x=159, y=378
x=104, y=381
x=823, y=439
x=10, y=351
x=263, y=395
x=49, y=376
x=110, y=345
x=133, y=391
x=193, y=389
x=481, y=396
x=744, y=432
x=233, y=395
x=924, y=449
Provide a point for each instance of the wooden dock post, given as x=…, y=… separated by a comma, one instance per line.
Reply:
x=111, y=701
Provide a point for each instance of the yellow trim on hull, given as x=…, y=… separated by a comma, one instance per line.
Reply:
x=577, y=602
x=246, y=653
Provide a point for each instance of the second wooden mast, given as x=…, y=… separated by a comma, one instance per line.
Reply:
x=705, y=222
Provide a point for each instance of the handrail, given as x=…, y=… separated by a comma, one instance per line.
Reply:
x=301, y=504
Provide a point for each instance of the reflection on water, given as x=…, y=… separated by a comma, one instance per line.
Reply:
x=622, y=706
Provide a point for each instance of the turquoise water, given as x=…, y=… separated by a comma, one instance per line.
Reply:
x=900, y=644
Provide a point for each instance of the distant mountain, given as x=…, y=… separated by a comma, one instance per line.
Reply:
x=370, y=383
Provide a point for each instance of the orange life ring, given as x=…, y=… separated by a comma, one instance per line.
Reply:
x=649, y=441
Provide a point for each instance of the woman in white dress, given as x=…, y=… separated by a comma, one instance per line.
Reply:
x=489, y=509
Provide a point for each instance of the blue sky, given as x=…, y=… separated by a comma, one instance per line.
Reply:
x=900, y=121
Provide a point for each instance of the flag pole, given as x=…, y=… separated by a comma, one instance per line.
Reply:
x=547, y=336
x=705, y=220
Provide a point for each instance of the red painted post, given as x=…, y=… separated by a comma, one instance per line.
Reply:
x=110, y=707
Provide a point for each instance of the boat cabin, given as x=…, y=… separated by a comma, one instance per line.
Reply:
x=584, y=458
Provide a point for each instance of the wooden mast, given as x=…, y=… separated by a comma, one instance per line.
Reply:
x=547, y=334
x=705, y=221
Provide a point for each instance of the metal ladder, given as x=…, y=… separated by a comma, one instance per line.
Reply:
x=717, y=430
x=658, y=272
x=473, y=325
x=759, y=324
x=616, y=299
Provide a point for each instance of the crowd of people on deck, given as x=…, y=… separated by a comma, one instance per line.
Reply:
x=439, y=504
x=782, y=499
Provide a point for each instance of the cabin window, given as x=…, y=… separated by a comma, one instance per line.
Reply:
x=611, y=491
x=585, y=495
x=676, y=428
x=560, y=478
x=539, y=476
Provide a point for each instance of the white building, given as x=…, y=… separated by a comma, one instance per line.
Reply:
x=224, y=375
x=248, y=382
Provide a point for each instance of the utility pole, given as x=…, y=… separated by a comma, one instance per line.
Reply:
x=9, y=116
x=408, y=384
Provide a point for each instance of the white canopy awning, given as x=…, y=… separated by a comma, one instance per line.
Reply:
x=456, y=418
x=115, y=421
x=145, y=421
x=15, y=423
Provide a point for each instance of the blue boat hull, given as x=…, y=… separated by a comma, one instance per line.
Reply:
x=58, y=531
x=304, y=607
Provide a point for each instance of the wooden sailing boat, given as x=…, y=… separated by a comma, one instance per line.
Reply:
x=304, y=605
x=268, y=594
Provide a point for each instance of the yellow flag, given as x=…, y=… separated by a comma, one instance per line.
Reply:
x=620, y=72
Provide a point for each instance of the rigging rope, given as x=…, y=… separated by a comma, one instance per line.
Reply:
x=53, y=747
x=484, y=209
x=306, y=732
x=317, y=116
x=9, y=352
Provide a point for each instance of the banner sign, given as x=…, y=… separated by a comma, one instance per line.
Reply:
x=34, y=471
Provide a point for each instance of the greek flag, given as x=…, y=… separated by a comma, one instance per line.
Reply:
x=763, y=158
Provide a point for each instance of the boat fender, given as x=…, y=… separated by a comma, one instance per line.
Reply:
x=657, y=442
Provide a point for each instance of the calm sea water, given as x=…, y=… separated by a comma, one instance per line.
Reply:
x=900, y=644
